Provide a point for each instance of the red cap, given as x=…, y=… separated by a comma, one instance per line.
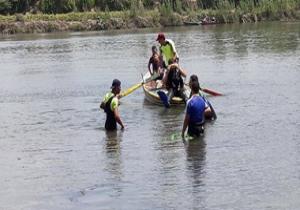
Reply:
x=161, y=36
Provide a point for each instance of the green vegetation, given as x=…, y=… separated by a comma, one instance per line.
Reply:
x=179, y=6
x=114, y=14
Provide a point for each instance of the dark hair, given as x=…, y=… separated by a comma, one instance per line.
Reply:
x=115, y=83
x=195, y=86
x=193, y=78
x=154, y=48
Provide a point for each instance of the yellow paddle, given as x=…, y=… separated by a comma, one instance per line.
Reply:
x=136, y=86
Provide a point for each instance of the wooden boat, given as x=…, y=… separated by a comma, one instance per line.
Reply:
x=208, y=23
x=200, y=23
x=192, y=23
x=151, y=93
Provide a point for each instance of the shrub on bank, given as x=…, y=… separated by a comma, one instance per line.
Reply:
x=137, y=16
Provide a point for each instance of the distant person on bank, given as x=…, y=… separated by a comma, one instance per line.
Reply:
x=195, y=112
x=110, y=105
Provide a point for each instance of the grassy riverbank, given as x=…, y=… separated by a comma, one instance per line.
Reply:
x=141, y=18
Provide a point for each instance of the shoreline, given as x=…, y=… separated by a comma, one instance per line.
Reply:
x=101, y=21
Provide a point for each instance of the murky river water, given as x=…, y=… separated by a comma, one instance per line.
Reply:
x=55, y=153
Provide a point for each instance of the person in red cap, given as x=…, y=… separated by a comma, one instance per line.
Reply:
x=110, y=105
x=167, y=49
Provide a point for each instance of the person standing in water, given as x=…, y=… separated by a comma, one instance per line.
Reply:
x=195, y=112
x=110, y=105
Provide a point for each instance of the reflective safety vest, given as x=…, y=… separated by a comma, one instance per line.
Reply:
x=168, y=50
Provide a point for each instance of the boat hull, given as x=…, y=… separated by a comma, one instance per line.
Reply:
x=152, y=96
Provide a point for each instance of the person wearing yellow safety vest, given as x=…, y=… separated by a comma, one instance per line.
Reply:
x=110, y=105
x=167, y=49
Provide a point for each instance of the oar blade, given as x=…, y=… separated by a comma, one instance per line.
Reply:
x=211, y=92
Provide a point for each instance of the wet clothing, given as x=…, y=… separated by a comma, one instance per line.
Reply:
x=168, y=50
x=111, y=103
x=175, y=85
x=174, y=79
x=195, y=129
x=195, y=109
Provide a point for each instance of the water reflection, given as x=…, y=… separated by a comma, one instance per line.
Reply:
x=196, y=156
x=113, y=153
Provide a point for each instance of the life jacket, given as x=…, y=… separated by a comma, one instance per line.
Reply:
x=168, y=51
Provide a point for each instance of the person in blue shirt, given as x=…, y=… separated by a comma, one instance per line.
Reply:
x=196, y=110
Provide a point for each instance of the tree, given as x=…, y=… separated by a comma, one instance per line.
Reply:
x=5, y=6
x=85, y=5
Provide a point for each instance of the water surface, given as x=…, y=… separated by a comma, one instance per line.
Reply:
x=55, y=153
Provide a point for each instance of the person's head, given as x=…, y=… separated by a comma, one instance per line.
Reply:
x=194, y=79
x=161, y=38
x=116, y=86
x=154, y=49
x=195, y=87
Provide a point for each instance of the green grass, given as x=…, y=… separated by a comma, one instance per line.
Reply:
x=78, y=16
x=226, y=13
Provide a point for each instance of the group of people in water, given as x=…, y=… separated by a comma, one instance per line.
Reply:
x=165, y=66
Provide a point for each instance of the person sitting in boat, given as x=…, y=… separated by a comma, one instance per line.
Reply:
x=195, y=112
x=155, y=63
x=167, y=50
x=110, y=105
x=173, y=81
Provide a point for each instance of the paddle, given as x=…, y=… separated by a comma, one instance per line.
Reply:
x=136, y=86
x=211, y=92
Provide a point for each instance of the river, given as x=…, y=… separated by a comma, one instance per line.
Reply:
x=55, y=153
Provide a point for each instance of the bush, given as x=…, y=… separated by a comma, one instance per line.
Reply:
x=5, y=6
x=136, y=8
x=57, y=6
x=85, y=5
